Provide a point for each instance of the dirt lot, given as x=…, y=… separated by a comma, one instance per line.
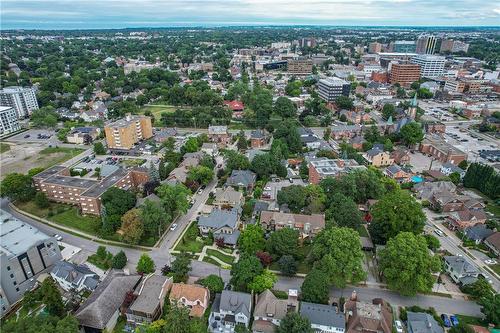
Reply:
x=25, y=156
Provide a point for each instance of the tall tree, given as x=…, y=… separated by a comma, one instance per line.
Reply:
x=154, y=218
x=344, y=212
x=244, y=271
x=411, y=134
x=263, y=281
x=145, y=265
x=132, y=227
x=181, y=267
x=316, y=287
x=16, y=186
x=294, y=323
x=283, y=242
x=252, y=239
x=284, y=107
x=174, y=198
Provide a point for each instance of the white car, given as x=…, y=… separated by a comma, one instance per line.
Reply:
x=490, y=262
x=58, y=237
x=267, y=188
x=399, y=326
x=200, y=191
x=439, y=232
x=173, y=227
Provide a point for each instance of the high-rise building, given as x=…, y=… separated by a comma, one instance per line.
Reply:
x=125, y=133
x=25, y=252
x=426, y=44
x=23, y=100
x=431, y=66
x=300, y=66
x=332, y=87
x=8, y=120
x=404, y=46
x=374, y=47
x=308, y=42
x=450, y=45
x=404, y=74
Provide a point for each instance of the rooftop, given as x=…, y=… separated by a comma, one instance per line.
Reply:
x=150, y=294
x=321, y=314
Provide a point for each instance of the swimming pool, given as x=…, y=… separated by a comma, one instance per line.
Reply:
x=417, y=179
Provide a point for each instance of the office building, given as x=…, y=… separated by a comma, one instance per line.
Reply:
x=441, y=150
x=332, y=87
x=23, y=100
x=8, y=120
x=404, y=46
x=453, y=46
x=404, y=74
x=308, y=42
x=426, y=45
x=25, y=252
x=374, y=47
x=431, y=66
x=125, y=133
x=300, y=66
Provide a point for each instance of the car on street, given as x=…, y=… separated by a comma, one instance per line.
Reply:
x=399, y=326
x=490, y=262
x=200, y=191
x=439, y=233
x=26, y=136
x=290, y=180
x=454, y=320
x=58, y=237
x=446, y=320
x=173, y=226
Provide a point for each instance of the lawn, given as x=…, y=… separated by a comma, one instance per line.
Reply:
x=211, y=261
x=4, y=147
x=133, y=162
x=470, y=320
x=493, y=208
x=157, y=110
x=221, y=256
x=57, y=155
x=362, y=231
x=495, y=268
x=188, y=244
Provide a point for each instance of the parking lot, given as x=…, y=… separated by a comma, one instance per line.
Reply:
x=469, y=142
x=273, y=187
x=36, y=135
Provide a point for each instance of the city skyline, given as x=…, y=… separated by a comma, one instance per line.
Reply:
x=92, y=14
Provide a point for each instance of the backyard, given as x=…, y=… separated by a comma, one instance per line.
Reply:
x=190, y=242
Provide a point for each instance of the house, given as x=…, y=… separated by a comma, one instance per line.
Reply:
x=426, y=190
x=83, y=135
x=163, y=134
x=101, y=310
x=493, y=243
x=195, y=297
x=223, y=224
x=73, y=277
x=446, y=201
x=459, y=269
x=323, y=318
x=210, y=149
x=364, y=317
x=149, y=299
x=466, y=218
x=355, y=117
x=268, y=313
x=340, y=132
x=421, y=322
x=242, y=179
x=357, y=142
x=401, y=156
x=229, y=309
x=227, y=197
x=258, y=139
x=397, y=173
x=308, y=138
x=378, y=158
x=219, y=135
x=478, y=233
x=449, y=168
x=308, y=225
x=236, y=107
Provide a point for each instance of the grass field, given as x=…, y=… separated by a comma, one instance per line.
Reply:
x=157, y=110
x=190, y=245
x=4, y=147
x=221, y=256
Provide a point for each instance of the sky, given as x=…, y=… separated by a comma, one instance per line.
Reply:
x=92, y=14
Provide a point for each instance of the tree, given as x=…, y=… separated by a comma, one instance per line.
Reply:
x=242, y=141
x=17, y=186
x=411, y=134
x=287, y=130
x=293, y=196
x=236, y=161
x=344, y=102
x=119, y=260
x=190, y=146
x=132, y=227
x=200, y=174
x=154, y=218
x=287, y=265
x=479, y=289
x=177, y=320
x=407, y=265
x=283, y=242
x=145, y=265
x=265, y=258
x=51, y=297
x=316, y=287
x=174, y=198
x=68, y=324
x=244, y=271
x=463, y=165
x=461, y=328
x=284, y=107
x=489, y=307
x=213, y=283
x=395, y=212
x=118, y=201
x=432, y=242
x=99, y=148
x=344, y=211
x=483, y=178
x=252, y=239
x=263, y=281
x=181, y=267
x=341, y=265
x=41, y=200
x=294, y=323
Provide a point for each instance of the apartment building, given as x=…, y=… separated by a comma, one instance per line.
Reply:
x=374, y=47
x=404, y=46
x=22, y=99
x=431, y=66
x=322, y=167
x=331, y=88
x=300, y=66
x=426, y=44
x=443, y=151
x=125, y=133
x=404, y=74
x=8, y=120
x=85, y=193
x=25, y=252
x=453, y=46
x=463, y=86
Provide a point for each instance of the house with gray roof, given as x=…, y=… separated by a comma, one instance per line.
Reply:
x=268, y=313
x=229, y=309
x=223, y=224
x=323, y=318
x=228, y=197
x=449, y=168
x=242, y=179
x=101, y=310
x=460, y=270
x=478, y=233
x=421, y=322
x=74, y=277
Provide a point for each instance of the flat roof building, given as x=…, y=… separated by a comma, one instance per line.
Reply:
x=331, y=88
x=300, y=66
x=22, y=99
x=126, y=132
x=404, y=74
x=431, y=66
x=8, y=120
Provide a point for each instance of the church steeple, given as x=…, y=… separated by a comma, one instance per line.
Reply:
x=412, y=110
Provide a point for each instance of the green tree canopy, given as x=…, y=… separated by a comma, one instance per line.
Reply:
x=181, y=267
x=283, y=242
x=244, y=272
x=316, y=287
x=294, y=323
x=17, y=186
x=411, y=133
x=252, y=239
x=285, y=107
x=145, y=265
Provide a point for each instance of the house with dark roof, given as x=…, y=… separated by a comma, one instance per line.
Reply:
x=378, y=157
x=258, y=138
x=493, y=243
x=101, y=310
x=478, y=233
x=364, y=317
x=466, y=218
x=268, y=312
x=421, y=322
x=323, y=318
x=460, y=270
x=397, y=173
x=449, y=168
x=242, y=179
x=229, y=309
x=222, y=224
x=73, y=277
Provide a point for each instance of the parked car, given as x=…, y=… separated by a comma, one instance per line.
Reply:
x=454, y=320
x=399, y=326
x=490, y=261
x=58, y=237
x=446, y=320
x=173, y=227
x=439, y=233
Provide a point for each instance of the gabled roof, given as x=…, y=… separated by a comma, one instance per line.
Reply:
x=190, y=292
x=241, y=178
x=151, y=293
x=419, y=322
x=460, y=265
x=75, y=274
x=321, y=314
x=478, y=232
x=236, y=302
x=494, y=240
x=368, y=317
x=219, y=218
x=269, y=305
x=316, y=221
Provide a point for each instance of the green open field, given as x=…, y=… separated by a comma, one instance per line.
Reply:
x=157, y=110
x=221, y=256
x=4, y=147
